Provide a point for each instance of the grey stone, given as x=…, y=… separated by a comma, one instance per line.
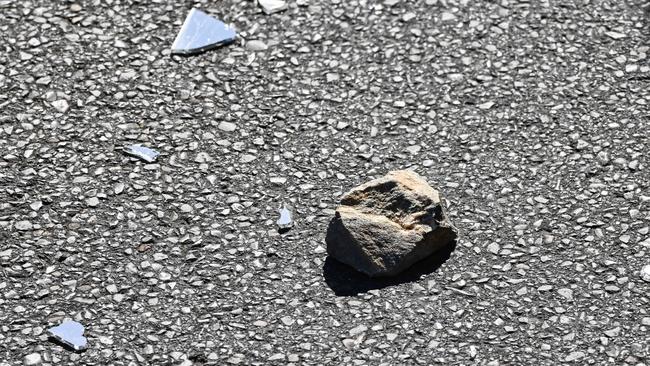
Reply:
x=23, y=225
x=227, y=126
x=645, y=273
x=256, y=45
x=386, y=225
x=272, y=6
x=32, y=359
x=61, y=105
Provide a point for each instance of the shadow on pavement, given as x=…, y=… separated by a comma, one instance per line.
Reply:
x=346, y=281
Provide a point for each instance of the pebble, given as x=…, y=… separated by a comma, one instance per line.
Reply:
x=447, y=16
x=247, y=158
x=23, y=225
x=645, y=273
x=61, y=105
x=566, y=293
x=32, y=359
x=227, y=126
x=256, y=45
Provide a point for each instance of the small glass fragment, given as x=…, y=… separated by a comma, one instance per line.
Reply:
x=201, y=32
x=70, y=333
x=272, y=6
x=285, y=222
x=144, y=153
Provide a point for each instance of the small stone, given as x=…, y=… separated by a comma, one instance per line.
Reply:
x=272, y=6
x=414, y=149
x=227, y=126
x=118, y=188
x=61, y=105
x=614, y=332
x=486, y=105
x=574, y=356
x=256, y=45
x=32, y=359
x=645, y=273
x=278, y=180
x=358, y=330
x=615, y=35
x=447, y=16
x=331, y=77
x=92, y=201
x=408, y=17
x=493, y=248
x=293, y=358
x=567, y=293
x=287, y=320
x=386, y=225
x=23, y=225
x=247, y=158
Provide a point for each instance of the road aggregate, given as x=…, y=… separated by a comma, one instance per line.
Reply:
x=531, y=117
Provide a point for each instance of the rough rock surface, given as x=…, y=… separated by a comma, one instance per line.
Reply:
x=386, y=225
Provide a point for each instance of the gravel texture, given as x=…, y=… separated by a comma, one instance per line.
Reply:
x=532, y=117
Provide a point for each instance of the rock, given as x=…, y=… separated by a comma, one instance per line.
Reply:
x=61, y=105
x=32, y=359
x=446, y=16
x=256, y=45
x=645, y=273
x=227, y=126
x=23, y=225
x=386, y=225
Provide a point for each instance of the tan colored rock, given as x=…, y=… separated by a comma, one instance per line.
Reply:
x=386, y=225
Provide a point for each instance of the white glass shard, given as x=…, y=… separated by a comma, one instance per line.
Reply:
x=201, y=32
x=285, y=221
x=272, y=6
x=144, y=153
x=71, y=334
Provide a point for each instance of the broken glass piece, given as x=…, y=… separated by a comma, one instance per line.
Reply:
x=71, y=334
x=285, y=222
x=272, y=6
x=144, y=153
x=201, y=32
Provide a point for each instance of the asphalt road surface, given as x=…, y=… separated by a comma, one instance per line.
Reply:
x=531, y=117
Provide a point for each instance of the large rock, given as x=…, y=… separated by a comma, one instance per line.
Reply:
x=386, y=225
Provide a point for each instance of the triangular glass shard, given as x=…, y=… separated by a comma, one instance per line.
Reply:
x=272, y=6
x=144, y=153
x=201, y=32
x=70, y=333
x=285, y=222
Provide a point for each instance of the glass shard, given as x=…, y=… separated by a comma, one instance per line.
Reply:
x=201, y=32
x=272, y=6
x=285, y=222
x=71, y=334
x=144, y=153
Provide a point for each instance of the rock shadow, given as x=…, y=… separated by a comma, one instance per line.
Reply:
x=346, y=281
